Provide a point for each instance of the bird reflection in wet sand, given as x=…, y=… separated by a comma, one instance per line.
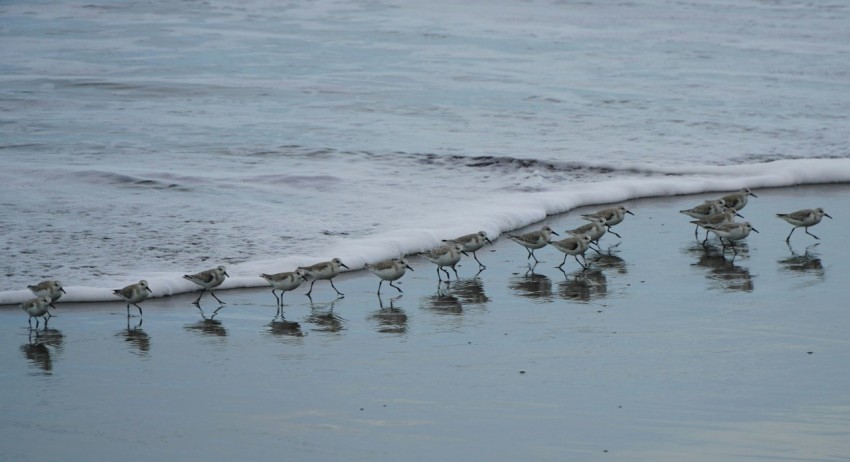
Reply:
x=322, y=315
x=389, y=318
x=470, y=291
x=610, y=262
x=136, y=337
x=37, y=349
x=208, y=325
x=583, y=286
x=725, y=272
x=443, y=301
x=808, y=262
x=285, y=328
x=531, y=285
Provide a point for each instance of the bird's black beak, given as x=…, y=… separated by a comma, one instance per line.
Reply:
x=61, y=289
x=225, y=273
x=408, y=267
x=827, y=215
x=753, y=195
x=488, y=240
x=343, y=265
x=52, y=305
x=753, y=229
x=553, y=232
x=464, y=252
x=630, y=213
x=148, y=289
x=738, y=215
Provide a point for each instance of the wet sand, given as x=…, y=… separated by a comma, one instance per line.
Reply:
x=662, y=351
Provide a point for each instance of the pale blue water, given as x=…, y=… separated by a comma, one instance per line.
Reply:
x=151, y=139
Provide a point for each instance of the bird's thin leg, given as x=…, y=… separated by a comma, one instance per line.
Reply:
x=584, y=267
x=810, y=234
x=337, y=291
x=197, y=300
x=379, y=286
x=396, y=287
x=787, y=239
x=139, y=307
x=311, y=287
x=614, y=232
x=563, y=262
x=213, y=294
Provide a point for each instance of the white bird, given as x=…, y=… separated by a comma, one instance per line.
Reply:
x=324, y=270
x=594, y=230
x=134, y=294
x=445, y=255
x=803, y=218
x=738, y=199
x=703, y=210
x=284, y=282
x=52, y=289
x=728, y=216
x=36, y=307
x=534, y=240
x=706, y=208
x=612, y=216
x=732, y=232
x=389, y=270
x=209, y=280
x=575, y=246
x=472, y=243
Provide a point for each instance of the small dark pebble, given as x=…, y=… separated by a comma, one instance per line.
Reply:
x=522, y=372
x=361, y=408
x=810, y=352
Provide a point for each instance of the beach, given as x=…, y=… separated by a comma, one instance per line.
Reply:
x=662, y=350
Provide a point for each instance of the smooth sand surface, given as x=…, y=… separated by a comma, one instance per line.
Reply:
x=662, y=351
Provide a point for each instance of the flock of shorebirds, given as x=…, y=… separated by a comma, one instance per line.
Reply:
x=716, y=216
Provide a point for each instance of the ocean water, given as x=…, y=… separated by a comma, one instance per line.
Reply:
x=152, y=139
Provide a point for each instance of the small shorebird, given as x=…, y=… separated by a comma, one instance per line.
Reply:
x=732, y=232
x=472, y=243
x=612, y=216
x=36, y=307
x=284, y=282
x=594, y=230
x=390, y=270
x=534, y=240
x=208, y=279
x=738, y=199
x=445, y=255
x=52, y=289
x=134, y=294
x=803, y=218
x=706, y=208
x=703, y=210
x=716, y=219
x=324, y=270
x=575, y=246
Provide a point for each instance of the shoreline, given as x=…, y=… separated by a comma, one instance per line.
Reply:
x=663, y=350
x=104, y=295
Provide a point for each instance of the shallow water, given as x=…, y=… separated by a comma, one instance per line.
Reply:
x=662, y=351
